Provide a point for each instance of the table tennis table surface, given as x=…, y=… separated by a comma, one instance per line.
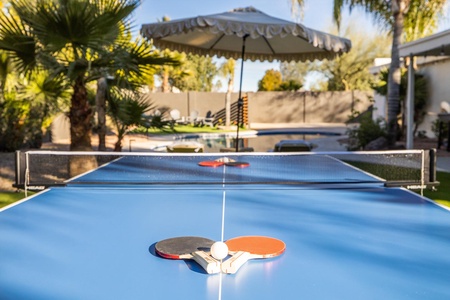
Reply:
x=351, y=238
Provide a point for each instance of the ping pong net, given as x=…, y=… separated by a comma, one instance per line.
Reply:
x=413, y=169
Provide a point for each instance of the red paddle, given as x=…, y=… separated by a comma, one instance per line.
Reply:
x=210, y=163
x=189, y=247
x=250, y=247
x=216, y=163
x=239, y=164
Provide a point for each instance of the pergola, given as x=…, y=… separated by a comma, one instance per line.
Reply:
x=434, y=45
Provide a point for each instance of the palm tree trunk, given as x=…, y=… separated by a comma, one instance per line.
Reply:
x=100, y=100
x=398, y=9
x=165, y=83
x=80, y=118
x=228, y=102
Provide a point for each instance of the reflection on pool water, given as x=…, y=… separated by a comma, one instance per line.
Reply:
x=262, y=142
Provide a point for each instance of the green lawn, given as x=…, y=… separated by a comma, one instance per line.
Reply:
x=183, y=129
x=442, y=194
x=10, y=197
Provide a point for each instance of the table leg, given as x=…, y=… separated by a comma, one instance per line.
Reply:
x=448, y=136
x=440, y=134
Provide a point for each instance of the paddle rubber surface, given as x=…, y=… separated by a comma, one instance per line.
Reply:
x=182, y=247
x=261, y=246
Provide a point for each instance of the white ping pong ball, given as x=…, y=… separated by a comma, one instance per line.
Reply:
x=219, y=250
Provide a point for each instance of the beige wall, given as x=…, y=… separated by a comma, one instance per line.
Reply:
x=305, y=107
x=187, y=102
x=263, y=107
x=273, y=107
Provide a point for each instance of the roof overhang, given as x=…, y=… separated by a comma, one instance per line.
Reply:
x=434, y=45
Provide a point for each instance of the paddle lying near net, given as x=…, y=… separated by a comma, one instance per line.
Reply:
x=210, y=163
x=238, y=164
x=216, y=163
x=189, y=247
x=250, y=247
x=219, y=163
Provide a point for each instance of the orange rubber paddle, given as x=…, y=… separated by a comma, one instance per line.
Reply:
x=211, y=163
x=250, y=247
x=216, y=163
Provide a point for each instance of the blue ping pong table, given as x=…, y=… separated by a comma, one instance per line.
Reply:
x=348, y=239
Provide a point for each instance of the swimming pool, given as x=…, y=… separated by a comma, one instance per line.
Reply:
x=262, y=141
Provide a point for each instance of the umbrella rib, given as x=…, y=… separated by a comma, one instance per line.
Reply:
x=268, y=44
x=215, y=43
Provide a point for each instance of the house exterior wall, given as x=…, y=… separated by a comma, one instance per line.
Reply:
x=380, y=107
x=438, y=80
x=436, y=71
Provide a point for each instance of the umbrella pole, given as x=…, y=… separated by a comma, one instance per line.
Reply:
x=240, y=100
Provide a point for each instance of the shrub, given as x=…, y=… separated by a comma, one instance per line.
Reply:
x=435, y=128
x=12, y=128
x=367, y=131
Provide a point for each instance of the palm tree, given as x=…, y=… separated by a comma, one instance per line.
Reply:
x=420, y=16
x=27, y=104
x=227, y=71
x=79, y=39
x=136, y=66
x=126, y=109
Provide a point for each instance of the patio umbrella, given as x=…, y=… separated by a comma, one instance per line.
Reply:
x=245, y=33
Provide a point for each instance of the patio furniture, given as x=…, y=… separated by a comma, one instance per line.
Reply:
x=241, y=149
x=185, y=147
x=293, y=146
x=193, y=118
x=208, y=120
x=176, y=117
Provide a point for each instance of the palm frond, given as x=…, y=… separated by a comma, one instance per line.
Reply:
x=17, y=41
x=82, y=24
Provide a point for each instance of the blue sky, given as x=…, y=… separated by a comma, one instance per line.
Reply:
x=317, y=15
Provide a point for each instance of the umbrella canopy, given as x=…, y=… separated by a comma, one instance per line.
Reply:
x=245, y=33
x=269, y=38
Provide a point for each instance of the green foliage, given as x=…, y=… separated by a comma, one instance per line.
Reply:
x=127, y=110
x=182, y=129
x=435, y=128
x=420, y=93
x=172, y=74
x=12, y=127
x=367, y=131
x=350, y=71
x=296, y=71
x=81, y=40
x=198, y=75
x=422, y=18
x=271, y=81
x=159, y=123
x=290, y=85
x=395, y=17
x=27, y=105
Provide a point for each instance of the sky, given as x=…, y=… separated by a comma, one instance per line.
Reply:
x=317, y=15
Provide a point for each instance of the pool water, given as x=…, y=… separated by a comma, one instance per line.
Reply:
x=263, y=142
